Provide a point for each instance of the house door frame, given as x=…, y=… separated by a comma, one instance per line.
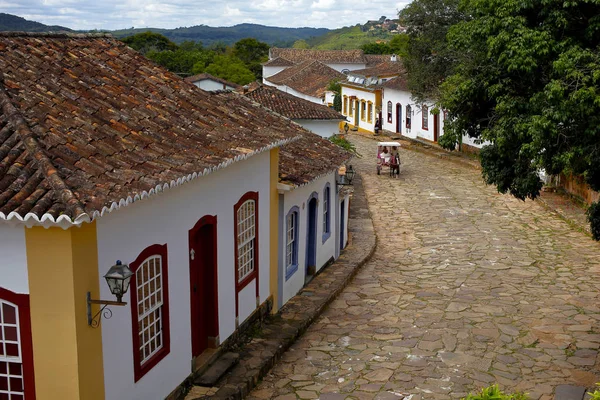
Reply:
x=356, y=111
x=312, y=215
x=342, y=224
x=436, y=127
x=204, y=298
x=398, y=118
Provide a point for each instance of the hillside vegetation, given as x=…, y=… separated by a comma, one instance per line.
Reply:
x=352, y=37
x=9, y=22
x=282, y=37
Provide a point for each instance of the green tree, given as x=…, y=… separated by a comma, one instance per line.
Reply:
x=399, y=45
x=336, y=88
x=182, y=62
x=429, y=60
x=376, y=48
x=528, y=81
x=252, y=53
x=149, y=41
x=230, y=68
x=301, y=44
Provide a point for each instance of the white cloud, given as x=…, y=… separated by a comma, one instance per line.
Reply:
x=118, y=14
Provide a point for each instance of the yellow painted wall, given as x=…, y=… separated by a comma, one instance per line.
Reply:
x=274, y=228
x=62, y=268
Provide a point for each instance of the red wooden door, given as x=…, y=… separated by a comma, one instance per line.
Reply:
x=436, y=127
x=203, y=285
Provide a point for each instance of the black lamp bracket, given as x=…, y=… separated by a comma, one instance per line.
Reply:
x=94, y=320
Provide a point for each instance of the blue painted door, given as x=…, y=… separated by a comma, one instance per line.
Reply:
x=342, y=224
x=311, y=241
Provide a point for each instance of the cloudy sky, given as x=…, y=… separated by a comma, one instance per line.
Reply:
x=116, y=14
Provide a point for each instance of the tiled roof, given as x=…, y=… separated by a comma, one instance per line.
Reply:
x=291, y=106
x=325, y=56
x=278, y=62
x=374, y=59
x=88, y=125
x=309, y=77
x=205, y=76
x=387, y=68
x=397, y=83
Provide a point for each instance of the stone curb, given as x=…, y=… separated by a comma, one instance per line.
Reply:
x=284, y=328
x=564, y=216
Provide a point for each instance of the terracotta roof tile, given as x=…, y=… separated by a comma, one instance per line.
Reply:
x=397, y=83
x=278, y=62
x=205, y=76
x=325, y=56
x=291, y=106
x=386, y=68
x=87, y=123
x=374, y=59
x=309, y=77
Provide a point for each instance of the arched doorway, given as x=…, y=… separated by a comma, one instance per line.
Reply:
x=398, y=118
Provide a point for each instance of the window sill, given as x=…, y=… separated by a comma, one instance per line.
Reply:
x=289, y=272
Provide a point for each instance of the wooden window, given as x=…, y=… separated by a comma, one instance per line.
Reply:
x=389, y=112
x=370, y=112
x=150, y=309
x=363, y=110
x=424, y=117
x=326, y=212
x=16, y=351
x=246, y=240
x=351, y=107
x=408, y=116
x=291, y=244
x=345, y=110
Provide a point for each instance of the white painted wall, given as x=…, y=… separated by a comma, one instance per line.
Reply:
x=296, y=93
x=167, y=218
x=404, y=99
x=355, y=105
x=343, y=66
x=270, y=71
x=329, y=97
x=325, y=250
x=13, y=262
x=323, y=128
x=212, y=86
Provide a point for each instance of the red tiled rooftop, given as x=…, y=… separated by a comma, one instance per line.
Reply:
x=309, y=77
x=325, y=56
x=88, y=123
x=205, y=76
x=291, y=106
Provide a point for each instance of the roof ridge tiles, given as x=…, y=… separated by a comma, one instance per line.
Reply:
x=36, y=152
x=57, y=35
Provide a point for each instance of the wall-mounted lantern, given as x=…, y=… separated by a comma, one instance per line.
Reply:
x=117, y=278
x=346, y=128
x=345, y=179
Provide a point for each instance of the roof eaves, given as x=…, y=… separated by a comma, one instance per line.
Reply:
x=66, y=222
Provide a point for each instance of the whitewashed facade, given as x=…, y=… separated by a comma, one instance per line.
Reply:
x=13, y=266
x=167, y=219
x=352, y=107
x=323, y=128
x=327, y=244
x=212, y=85
x=293, y=92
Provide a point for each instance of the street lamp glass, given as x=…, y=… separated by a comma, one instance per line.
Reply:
x=118, y=278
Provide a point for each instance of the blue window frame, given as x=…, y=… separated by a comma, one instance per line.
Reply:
x=291, y=242
x=326, y=212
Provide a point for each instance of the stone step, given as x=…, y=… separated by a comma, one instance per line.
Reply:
x=212, y=375
x=570, y=392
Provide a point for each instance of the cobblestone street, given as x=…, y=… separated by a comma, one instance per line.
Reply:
x=467, y=288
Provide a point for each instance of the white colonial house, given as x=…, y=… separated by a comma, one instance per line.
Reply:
x=211, y=83
x=317, y=118
x=185, y=187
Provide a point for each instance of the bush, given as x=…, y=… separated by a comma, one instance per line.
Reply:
x=593, y=216
x=343, y=143
x=595, y=395
x=494, y=393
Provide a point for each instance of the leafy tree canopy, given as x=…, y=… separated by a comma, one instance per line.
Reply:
x=376, y=48
x=301, y=44
x=253, y=53
x=230, y=68
x=149, y=41
x=429, y=60
x=527, y=79
x=399, y=45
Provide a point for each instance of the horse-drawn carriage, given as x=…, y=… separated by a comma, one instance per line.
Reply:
x=388, y=158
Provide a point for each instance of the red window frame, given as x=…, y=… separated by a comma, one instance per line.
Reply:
x=22, y=302
x=140, y=370
x=425, y=117
x=254, y=275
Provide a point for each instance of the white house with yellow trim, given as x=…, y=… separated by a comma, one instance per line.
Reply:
x=100, y=165
x=362, y=94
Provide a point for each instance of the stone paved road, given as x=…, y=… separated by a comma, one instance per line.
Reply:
x=468, y=287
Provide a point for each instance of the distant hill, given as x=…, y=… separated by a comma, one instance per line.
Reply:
x=269, y=34
x=348, y=38
x=10, y=22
